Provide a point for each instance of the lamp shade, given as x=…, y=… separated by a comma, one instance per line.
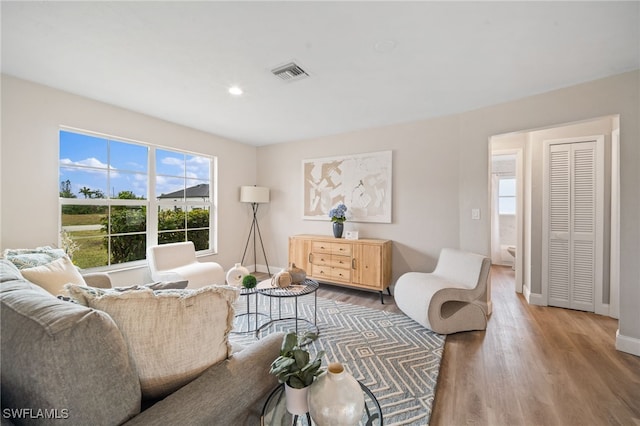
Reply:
x=254, y=194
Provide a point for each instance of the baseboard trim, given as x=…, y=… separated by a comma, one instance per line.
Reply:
x=627, y=344
x=532, y=298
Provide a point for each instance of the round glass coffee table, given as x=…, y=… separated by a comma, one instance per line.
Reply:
x=294, y=292
x=275, y=411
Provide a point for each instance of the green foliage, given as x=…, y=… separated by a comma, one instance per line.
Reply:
x=127, y=227
x=249, y=281
x=294, y=366
x=65, y=189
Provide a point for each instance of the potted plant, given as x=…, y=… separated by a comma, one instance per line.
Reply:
x=296, y=370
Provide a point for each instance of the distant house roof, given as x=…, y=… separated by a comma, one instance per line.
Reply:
x=198, y=191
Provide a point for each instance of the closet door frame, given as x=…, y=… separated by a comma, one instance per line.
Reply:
x=599, y=306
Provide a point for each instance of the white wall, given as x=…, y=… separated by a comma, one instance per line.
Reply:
x=31, y=116
x=440, y=172
x=425, y=189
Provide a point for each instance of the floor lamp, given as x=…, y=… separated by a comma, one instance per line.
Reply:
x=255, y=195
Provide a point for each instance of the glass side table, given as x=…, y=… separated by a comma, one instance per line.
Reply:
x=274, y=412
x=249, y=321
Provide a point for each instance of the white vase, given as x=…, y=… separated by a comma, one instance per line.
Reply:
x=335, y=398
x=236, y=274
x=296, y=400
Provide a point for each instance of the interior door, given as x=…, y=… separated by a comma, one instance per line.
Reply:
x=573, y=254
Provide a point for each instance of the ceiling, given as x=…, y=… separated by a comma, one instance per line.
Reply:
x=369, y=63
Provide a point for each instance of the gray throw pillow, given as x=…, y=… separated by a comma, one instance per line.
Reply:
x=161, y=285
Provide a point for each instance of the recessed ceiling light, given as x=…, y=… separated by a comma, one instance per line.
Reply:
x=385, y=46
x=235, y=90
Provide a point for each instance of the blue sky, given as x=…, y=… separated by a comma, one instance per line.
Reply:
x=112, y=166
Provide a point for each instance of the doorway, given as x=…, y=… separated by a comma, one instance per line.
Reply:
x=531, y=272
x=507, y=194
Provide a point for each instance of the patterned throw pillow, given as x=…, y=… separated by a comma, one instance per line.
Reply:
x=172, y=335
x=30, y=258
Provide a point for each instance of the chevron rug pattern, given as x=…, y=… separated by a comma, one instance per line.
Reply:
x=395, y=357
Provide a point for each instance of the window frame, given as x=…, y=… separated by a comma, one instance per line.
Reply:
x=152, y=203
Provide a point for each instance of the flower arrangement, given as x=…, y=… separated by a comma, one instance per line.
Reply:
x=337, y=214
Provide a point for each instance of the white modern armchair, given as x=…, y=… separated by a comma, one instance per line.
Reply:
x=455, y=297
x=177, y=261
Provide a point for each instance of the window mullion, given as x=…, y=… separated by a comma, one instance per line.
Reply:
x=152, y=202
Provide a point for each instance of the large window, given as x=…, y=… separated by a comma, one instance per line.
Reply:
x=117, y=197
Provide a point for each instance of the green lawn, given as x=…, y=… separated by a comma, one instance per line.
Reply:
x=92, y=253
x=81, y=219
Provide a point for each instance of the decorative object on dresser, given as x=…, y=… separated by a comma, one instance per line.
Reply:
x=337, y=215
x=363, y=264
x=255, y=195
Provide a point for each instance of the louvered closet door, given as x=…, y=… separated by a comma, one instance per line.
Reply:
x=572, y=225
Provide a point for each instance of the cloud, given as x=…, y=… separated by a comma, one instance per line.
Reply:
x=87, y=162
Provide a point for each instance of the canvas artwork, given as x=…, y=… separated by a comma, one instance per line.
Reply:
x=361, y=181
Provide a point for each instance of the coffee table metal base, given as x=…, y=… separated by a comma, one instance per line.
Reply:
x=253, y=320
x=295, y=292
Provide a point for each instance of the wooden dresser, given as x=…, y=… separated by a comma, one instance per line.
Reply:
x=364, y=263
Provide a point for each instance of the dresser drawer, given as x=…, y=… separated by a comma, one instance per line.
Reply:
x=341, y=249
x=343, y=262
x=319, y=258
x=321, y=271
x=340, y=274
x=321, y=247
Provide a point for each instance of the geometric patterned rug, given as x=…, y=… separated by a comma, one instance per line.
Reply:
x=395, y=357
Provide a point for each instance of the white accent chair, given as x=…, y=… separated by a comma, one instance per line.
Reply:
x=177, y=261
x=454, y=297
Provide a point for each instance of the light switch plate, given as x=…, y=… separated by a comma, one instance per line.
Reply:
x=475, y=214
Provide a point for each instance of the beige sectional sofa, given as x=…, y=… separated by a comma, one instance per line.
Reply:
x=65, y=363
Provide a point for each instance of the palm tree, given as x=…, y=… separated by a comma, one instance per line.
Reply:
x=86, y=192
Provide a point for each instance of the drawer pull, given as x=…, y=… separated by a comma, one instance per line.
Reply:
x=310, y=257
x=353, y=263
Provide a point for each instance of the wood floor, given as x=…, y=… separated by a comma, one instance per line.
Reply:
x=532, y=366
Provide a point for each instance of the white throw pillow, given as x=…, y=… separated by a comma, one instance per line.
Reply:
x=172, y=335
x=54, y=275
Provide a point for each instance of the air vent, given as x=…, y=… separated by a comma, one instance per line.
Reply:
x=290, y=72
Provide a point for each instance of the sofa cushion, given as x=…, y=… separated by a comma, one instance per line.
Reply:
x=54, y=275
x=173, y=335
x=61, y=355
